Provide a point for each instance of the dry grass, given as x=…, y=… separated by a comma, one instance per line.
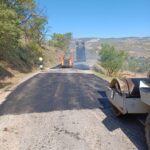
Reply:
x=125, y=74
x=103, y=76
x=17, y=77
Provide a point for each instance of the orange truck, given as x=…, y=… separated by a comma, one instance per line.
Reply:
x=66, y=61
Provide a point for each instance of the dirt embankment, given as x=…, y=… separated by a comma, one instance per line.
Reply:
x=9, y=78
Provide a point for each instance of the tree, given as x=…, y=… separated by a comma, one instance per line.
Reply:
x=111, y=59
x=61, y=41
x=22, y=31
x=9, y=30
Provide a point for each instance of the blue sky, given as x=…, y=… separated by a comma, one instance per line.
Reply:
x=98, y=18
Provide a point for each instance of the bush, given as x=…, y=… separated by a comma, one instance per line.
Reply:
x=139, y=64
x=111, y=59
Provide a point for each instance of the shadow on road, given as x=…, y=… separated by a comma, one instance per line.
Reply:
x=47, y=92
x=128, y=124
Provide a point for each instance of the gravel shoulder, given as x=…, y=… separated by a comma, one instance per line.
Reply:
x=69, y=130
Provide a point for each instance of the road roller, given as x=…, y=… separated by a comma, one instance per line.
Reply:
x=131, y=96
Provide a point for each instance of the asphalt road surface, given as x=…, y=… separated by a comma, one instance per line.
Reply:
x=65, y=110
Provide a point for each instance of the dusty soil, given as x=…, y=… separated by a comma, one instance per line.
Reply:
x=128, y=74
x=68, y=111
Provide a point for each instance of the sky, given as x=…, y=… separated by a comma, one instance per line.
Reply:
x=98, y=18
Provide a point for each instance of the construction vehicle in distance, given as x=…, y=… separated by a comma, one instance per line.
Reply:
x=80, y=51
x=66, y=60
x=131, y=96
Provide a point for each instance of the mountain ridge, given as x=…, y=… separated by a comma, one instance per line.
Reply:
x=135, y=46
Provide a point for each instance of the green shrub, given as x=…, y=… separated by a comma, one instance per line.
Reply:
x=111, y=59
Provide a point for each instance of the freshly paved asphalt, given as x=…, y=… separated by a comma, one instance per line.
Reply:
x=55, y=91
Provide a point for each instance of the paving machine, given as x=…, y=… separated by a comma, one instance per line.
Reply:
x=66, y=60
x=131, y=96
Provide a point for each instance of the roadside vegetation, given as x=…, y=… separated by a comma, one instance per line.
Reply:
x=115, y=63
x=61, y=41
x=22, y=33
x=111, y=61
x=57, y=44
x=140, y=64
x=23, y=38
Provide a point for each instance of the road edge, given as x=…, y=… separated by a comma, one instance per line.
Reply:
x=5, y=93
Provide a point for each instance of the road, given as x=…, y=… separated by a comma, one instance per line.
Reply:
x=65, y=110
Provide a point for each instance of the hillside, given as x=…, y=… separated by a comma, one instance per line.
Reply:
x=135, y=46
